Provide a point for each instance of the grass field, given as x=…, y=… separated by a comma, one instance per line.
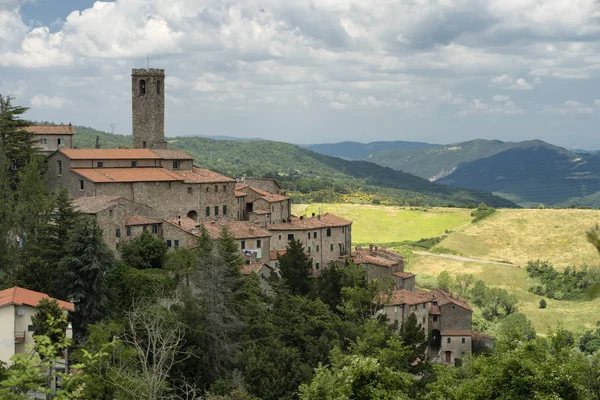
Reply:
x=384, y=224
x=517, y=236
x=520, y=236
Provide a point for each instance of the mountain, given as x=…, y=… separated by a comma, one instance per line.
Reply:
x=357, y=151
x=309, y=175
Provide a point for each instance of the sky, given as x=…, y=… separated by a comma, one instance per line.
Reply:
x=323, y=71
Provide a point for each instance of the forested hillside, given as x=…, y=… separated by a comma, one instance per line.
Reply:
x=310, y=176
x=356, y=150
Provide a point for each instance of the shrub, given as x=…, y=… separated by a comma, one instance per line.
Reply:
x=482, y=212
x=543, y=303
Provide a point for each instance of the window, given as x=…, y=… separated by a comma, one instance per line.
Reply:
x=309, y=235
x=158, y=86
x=224, y=209
x=118, y=233
x=448, y=340
x=258, y=243
x=216, y=210
x=142, y=87
x=423, y=320
x=155, y=229
x=463, y=340
x=30, y=328
x=175, y=164
x=395, y=309
x=315, y=235
x=317, y=266
x=189, y=190
x=343, y=229
x=317, y=248
x=279, y=237
x=243, y=245
x=81, y=185
x=308, y=249
x=272, y=208
x=43, y=141
x=330, y=247
x=176, y=243
x=100, y=164
x=207, y=211
x=216, y=189
x=424, y=306
x=290, y=236
x=145, y=228
x=110, y=213
x=59, y=163
x=328, y=232
x=59, y=141
x=143, y=145
x=128, y=231
x=134, y=164
x=169, y=243
x=435, y=318
x=224, y=188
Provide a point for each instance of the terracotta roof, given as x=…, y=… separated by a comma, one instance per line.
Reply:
x=107, y=175
x=237, y=229
x=200, y=175
x=435, y=310
x=20, y=296
x=239, y=194
x=406, y=297
x=139, y=220
x=172, y=154
x=327, y=220
x=253, y=268
x=403, y=275
x=240, y=186
x=479, y=336
x=274, y=198
x=110, y=154
x=463, y=332
x=444, y=298
x=51, y=129
x=94, y=204
x=274, y=253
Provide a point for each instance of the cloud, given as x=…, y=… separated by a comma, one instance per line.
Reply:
x=43, y=101
x=506, y=82
x=570, y=107
x=501, y=105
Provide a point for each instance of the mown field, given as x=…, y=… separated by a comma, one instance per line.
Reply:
x=516, y=236
x=385, y=224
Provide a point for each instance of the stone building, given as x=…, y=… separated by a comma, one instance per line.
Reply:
x=148, y=108
x=264, y=207
x=49, y=138
x=325, y=237
x=382, y=264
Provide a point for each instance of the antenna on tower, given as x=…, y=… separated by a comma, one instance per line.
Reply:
x=112, y=129
x=148, y=61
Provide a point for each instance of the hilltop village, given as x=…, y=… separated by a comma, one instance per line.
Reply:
x=151, y=188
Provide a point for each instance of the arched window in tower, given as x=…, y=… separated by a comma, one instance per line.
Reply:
x=142, y=87
x=158, y=86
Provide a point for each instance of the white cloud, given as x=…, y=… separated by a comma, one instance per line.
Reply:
x=569, y=107
x=43, y=101
x=338, y=106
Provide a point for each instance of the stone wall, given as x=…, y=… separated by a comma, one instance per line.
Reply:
x=68, y=179
x=270, y=185
x=112, y=163
x=455, y=317
x=51, y=144
x=148, y=108
x=456, y=347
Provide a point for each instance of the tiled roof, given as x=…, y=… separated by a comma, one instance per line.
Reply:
x=139, y=220
x=274, y=198
x=407, y=297
x=479, y=336
x=435, y=310
x=237, y=229
x=51, y=129
x=240, y=186
x=274, y=253
x=20, y=296
x=200, y=175
x=403, y=275
x=239, y=194
x=106, y=175
x=110, y=154
x=325, y=221
x=172, y=154
x=458, y=332
x=94, y=204
x=444, y=298
x=269, y=197
x=252, y=268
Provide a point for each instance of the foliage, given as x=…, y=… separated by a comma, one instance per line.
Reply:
x=515, y=328
x=444, y=281
x=543, y=303
x=144, y=251
x=570, y=284
x=295, y=267
x=482, y=212
x=49, y=322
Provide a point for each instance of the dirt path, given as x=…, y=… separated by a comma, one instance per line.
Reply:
x=460, y=258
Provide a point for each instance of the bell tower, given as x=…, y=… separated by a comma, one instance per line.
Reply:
x=148, y=108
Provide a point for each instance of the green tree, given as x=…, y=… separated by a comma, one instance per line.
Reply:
x=295, y=268
x=463, y=283
x=328, y=286
x=444, y=281
x=543, y=303
x=88, y=262
x=516, y=328
x=144, y=251
x=48, y=322
x=14, y=139
x=7, y=217
x=413, y=335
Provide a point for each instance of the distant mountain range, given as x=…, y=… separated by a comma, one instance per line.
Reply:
x=357, y=151
x=528, y=173
x=306, y=172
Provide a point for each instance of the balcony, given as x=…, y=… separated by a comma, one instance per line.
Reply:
x=20, y=336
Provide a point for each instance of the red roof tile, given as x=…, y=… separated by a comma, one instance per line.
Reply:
x=326, y=220
x=173, y=154
x=403, y=275
x=444, y=298
x=406, y=297
x=253, y=268
x=20, y=296
x=139, y=220
x=106, y=175
x=479, y=336
x=110, y=154
x=51, y=129
x=274, y=253
x=200, y=175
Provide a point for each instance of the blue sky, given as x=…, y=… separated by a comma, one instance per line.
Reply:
x=315, y=71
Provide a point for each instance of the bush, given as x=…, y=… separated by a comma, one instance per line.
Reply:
x=482, y=212
x=543, y=303
x=570, y=284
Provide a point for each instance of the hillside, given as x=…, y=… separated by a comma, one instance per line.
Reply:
x=310, y=176
x=357, y=151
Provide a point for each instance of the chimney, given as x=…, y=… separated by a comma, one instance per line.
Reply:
x=313, y=214
x=301, y=217
x=97, y=140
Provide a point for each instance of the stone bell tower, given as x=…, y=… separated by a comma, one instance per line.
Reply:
x=148, y=108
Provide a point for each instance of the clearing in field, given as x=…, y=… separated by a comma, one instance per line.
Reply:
x=573, y=315
x=520, y=236
x=386, y=224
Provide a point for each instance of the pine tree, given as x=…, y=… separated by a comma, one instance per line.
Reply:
x=7, y=233
x=296, y=267
x=86, y=266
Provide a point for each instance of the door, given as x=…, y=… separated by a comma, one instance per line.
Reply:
x=448, y=357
